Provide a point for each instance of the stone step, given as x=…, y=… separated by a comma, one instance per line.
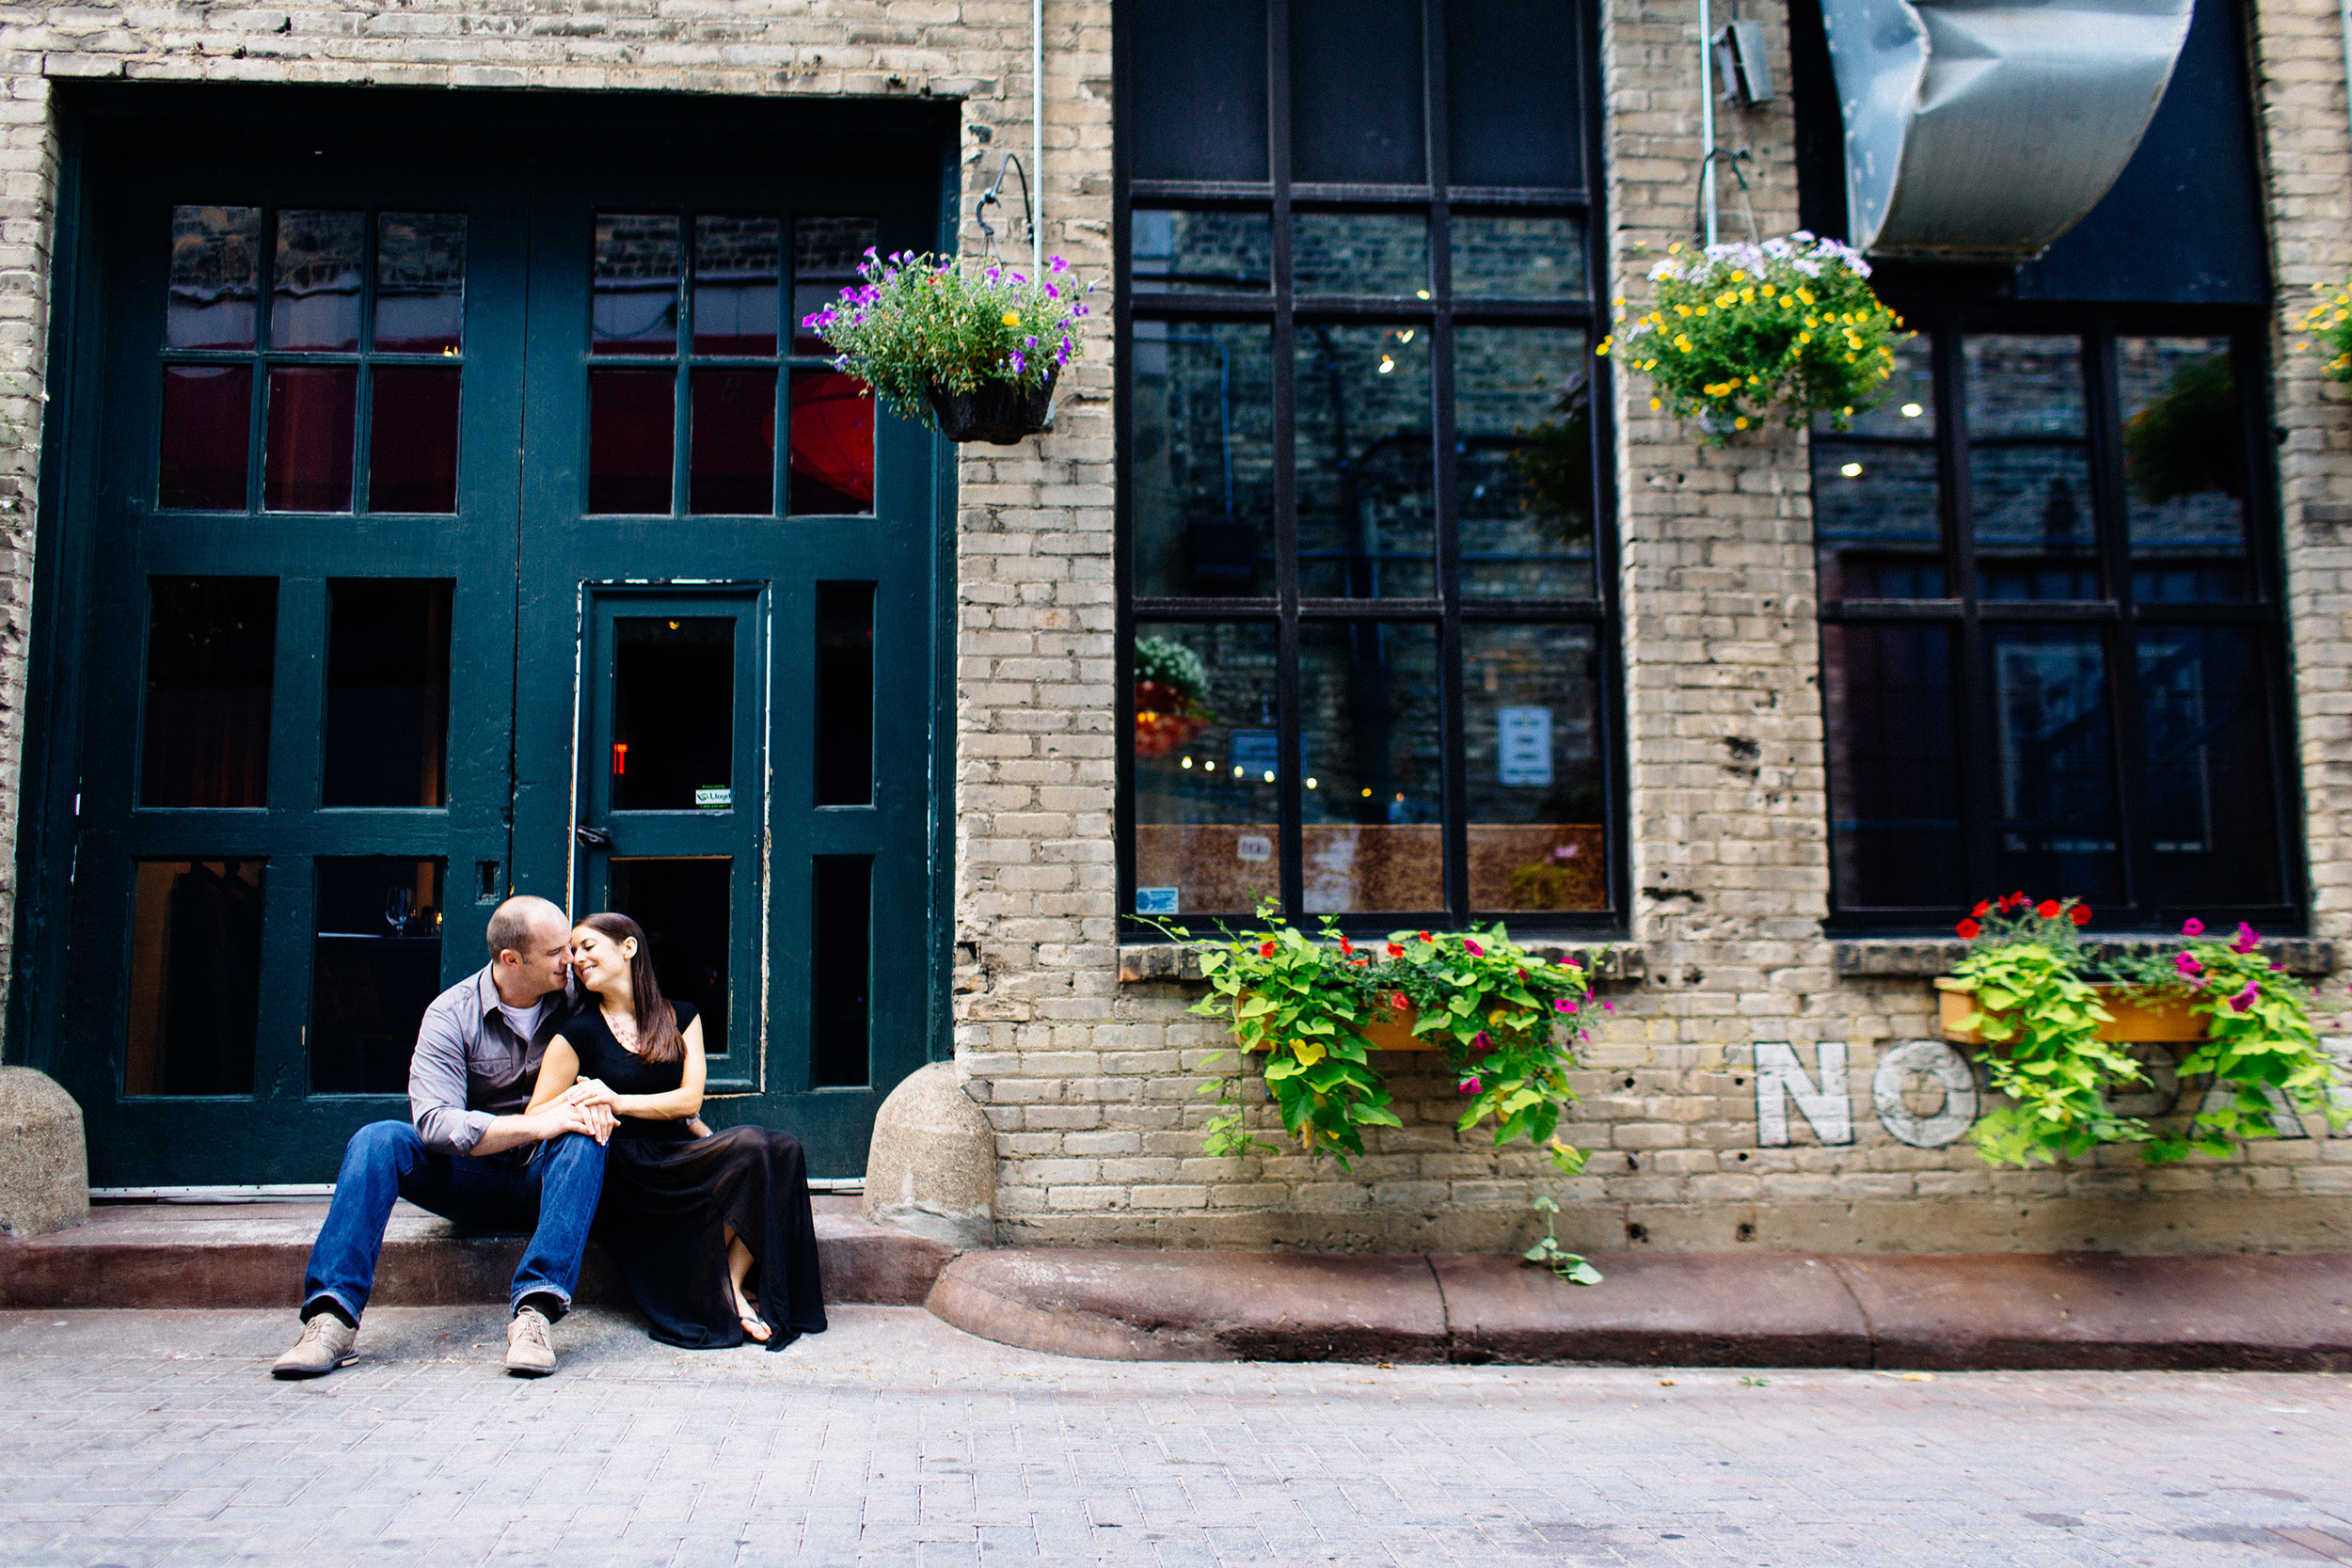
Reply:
x=166, y=1255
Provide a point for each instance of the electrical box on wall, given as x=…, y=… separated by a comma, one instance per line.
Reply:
x=1740, y=58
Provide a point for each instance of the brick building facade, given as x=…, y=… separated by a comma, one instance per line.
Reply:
x=1754, y=1083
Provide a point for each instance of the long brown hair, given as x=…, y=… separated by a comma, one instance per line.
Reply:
x=658, y=1036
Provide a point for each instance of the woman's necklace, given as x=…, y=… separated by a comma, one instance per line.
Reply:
x=623, y=1030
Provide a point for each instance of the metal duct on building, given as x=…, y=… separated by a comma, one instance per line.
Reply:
x=1981, y=132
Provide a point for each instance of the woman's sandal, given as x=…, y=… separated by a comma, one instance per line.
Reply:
x=756, y=1328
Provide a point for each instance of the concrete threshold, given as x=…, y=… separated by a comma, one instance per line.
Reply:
x=2032, y=1310
x=249, y=1254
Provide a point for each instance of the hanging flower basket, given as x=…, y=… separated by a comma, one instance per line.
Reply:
x=1171, y=680
x=973, y=356
x=997, y=412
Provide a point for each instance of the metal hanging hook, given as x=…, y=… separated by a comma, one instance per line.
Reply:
x=989, y=198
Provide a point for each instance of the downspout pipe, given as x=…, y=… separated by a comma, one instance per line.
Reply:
x=1037, y=136
x=1706, y=116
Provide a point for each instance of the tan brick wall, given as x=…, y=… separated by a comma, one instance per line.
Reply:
x=1089, y=1084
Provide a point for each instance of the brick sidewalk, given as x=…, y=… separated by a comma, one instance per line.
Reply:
x=141, y=1439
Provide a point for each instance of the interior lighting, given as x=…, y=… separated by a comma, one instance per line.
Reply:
x=1237, y=772
x=1405, y=336
x=1311, y=784
x=1421, y=294
x=1852, y=471
x=1187, y=762
x=1269, y=777
x=1367, y=794
x=1387, y=364
x=1912, y=410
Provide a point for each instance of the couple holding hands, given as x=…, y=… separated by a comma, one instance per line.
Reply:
x=556, y=1091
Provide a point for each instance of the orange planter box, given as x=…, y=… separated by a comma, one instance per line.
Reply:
x=2140, y=1015
x=1394, y=1032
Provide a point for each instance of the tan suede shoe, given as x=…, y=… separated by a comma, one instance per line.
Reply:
x=325, y=1344
x=529, y=1353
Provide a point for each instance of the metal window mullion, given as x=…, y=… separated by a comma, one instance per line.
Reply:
x=1122, y=482
x=1453, y=728
x=1289, y=728
x=1972, y=662
x=2102, y=410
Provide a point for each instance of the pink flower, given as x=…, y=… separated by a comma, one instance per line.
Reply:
x=1476, y=951
x=1564, y=1005
x=2246, y=998
x=1570, y=962
x=1609, y=1007
x=2248, y=938
x=1480, y=1041
x=2186, y=963
x=2192, y=927
x=1469, y=1086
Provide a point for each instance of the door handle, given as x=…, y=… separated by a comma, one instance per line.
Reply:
x=591, y=838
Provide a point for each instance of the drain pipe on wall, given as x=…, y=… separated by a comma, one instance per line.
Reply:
x=1037, y=136
x=1707, y=114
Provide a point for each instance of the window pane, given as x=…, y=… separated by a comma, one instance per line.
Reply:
x=631, y=434
x=207, y=421
x=196, y=977
x=2028, y=469
x=1194, y=253
x=840, y=1045
x=826, y=252
x=1894, y=776
x=1523, y=462
x=833, y=444
x=314, y=282
x=2056, y=830
x=1361, y=253
x=1199, y=89
x=306, y=455
x=685, y=908
x=1515, y=93
x=636, y=284
x=376, y=966
x=1206, y=839
x=421, y=282
x=1877, y=529
x=215, y=267
x=1371, y=759
x=2211, y=792
x=1532, y=767
x=845, y=693
x=738, y=265
x=1200, y=459
x=1366, y=464
x=732, y=464
x=673, y=710
x=1356, y=92
x=412, y=439
x=1519, y=258
x=2184, y=468
x=387, y=691
x=211, y=647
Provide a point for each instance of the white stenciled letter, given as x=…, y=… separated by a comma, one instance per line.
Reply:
x=1932, y=1059
x=1778, y=1075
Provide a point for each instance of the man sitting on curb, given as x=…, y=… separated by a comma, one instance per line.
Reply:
x=471, y=1156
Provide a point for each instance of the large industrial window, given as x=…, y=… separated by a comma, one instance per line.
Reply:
x=2053, y=650
x=1366, y=652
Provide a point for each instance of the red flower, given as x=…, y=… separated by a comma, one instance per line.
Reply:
x=1346, y=947
x=2017, y=900
x=1424, y=936
x=1399, y=1002
x=1984, y=906
x=1967, y=929
x=1268, y=951
x=1360, y=962
x=1395, y=951
x=2079, y=914
x=2047, y=909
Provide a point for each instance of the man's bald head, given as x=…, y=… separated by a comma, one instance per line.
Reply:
x=515, y=923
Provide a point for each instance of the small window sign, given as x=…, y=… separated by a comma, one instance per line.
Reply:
x=715, y=797
x=1253, y=847
x=1157, y=900
x=1523, y=746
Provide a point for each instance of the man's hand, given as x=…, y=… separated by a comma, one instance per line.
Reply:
x=594, y=1120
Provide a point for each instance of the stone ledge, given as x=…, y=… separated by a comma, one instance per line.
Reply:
x=1141, y=961
x=1936, y=956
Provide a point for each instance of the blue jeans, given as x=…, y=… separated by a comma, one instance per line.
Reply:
x=552, y=1195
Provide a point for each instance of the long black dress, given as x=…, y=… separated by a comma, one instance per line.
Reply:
x=667, y=1194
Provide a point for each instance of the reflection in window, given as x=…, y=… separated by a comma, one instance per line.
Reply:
x=1531, y=768
x=738, y=265
x=421, y=282
x=832, y=471
x=632, y=433
x=196, y=977
x=1365, y=462
x=686, y=908
x=1361, y=253
x=207, y=417
x=1372, y=764
x=2029, y=468
x=2056, y=822
x=1200, y=462
x=732, y=466
x=1200, y=252
x=1523, y=461
x=1895, y=783
x=375, y=967
x=636, y=292
x=2184, y=468
x=827, y=250
x=840, y=1043
x=211, y=649
x=1878, y=530
x=387, y=691
x=306, y=463
x=216, y=268
x=1205, y=749
x=315, y=280
x=673, y=710
x=1519, y=258
x=412, y=439
x=845, y=693
x=2212, y=789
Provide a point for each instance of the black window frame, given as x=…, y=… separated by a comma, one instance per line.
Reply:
x=2118, y=615
x=1448, y=611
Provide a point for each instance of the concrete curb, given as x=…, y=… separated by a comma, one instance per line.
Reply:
x=252, y=1255
x=1740, y=1309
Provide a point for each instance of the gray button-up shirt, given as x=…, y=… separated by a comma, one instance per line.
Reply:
x=470, y=1068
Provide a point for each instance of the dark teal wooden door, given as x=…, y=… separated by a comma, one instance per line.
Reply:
x=416, y=564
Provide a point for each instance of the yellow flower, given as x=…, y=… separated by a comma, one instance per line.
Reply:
x=1604, y=349
x=1698, y=310
x=1740, y=423
x=1768, y=291
x=1674, y=248
x=1739, y=276
x=1804, y=337
x=1655, y=405
x=1012, y=318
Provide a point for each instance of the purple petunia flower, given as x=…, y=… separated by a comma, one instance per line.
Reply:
x=1564, y=1005
x=1469, y=1086
x=1475, y=950
x=2248, y=938
x=2186, y=963
x=1057, y=265
x=1019, y=364
x=2246, y=998
x=2192, y=927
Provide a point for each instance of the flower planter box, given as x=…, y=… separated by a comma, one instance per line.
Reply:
x=1393, y=1031
x=2140, y=1015
x=997, y=412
